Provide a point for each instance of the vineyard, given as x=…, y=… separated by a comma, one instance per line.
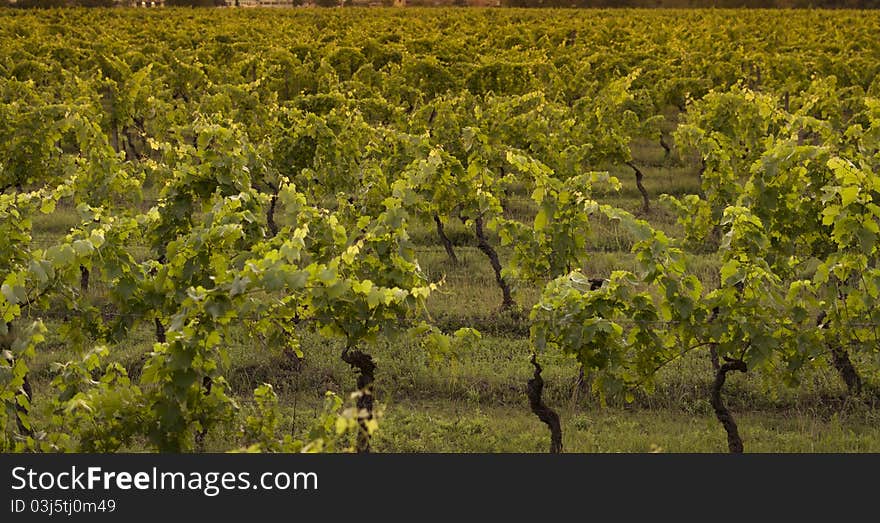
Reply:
x=439, y=230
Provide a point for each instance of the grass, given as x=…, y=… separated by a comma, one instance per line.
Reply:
x=476, y=401
x=428, y=427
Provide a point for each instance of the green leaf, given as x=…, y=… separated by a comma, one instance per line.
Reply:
x=730, y=273
x=848, y=195
x=239, y=286
x=541, y=220
x=14, y=294
x=375, y=296
x=296, y=280
x=48, y=206
x=38, y=271
x=61, y=256
x=82, y=247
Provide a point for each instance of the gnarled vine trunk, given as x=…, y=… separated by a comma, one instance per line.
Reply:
x=270, y=213
x=160, y=331
x=667, y=150
x=734, y=442
x=534, y=390
x=83, y=278
x=447, y=243
x=207, y=385
x=270, y=216
x=713, y=356
x=845, y=368
x=484, y=246
x=365, y=366
x=841, y=361
x=646, y=203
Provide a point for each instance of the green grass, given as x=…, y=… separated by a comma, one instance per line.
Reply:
x=428, y=427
